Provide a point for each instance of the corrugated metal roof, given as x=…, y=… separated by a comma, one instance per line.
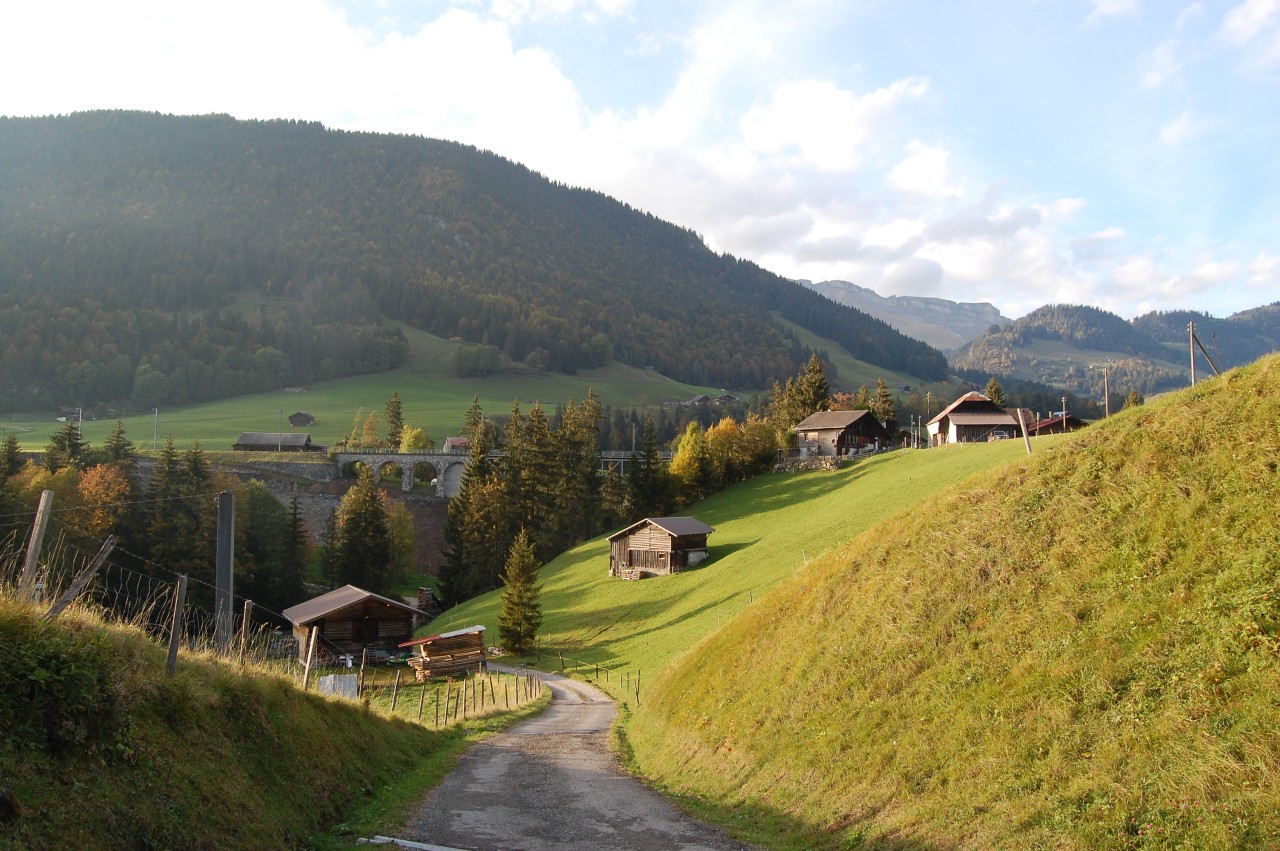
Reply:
x=262, y=438
x=831, y=419
x=678, y=526
x=415, y=642
x=980, y=418
x=337, y=599
x=972, y=397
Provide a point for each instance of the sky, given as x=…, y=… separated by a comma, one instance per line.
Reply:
x=1117, y=153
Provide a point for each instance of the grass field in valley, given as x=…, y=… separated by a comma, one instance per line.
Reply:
x=432, y=396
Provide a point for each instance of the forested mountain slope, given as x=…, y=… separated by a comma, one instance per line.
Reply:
x=1066, y=346
x=174, y=259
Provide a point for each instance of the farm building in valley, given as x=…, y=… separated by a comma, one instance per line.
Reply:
x=300, y=419
x=970, y=419
x=352, y=620
x=657, y=546
x=1057, y=424
x=840, y=433
x=262, y=441
x=448, y=654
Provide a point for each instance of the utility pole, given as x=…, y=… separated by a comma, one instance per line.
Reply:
x=1191, y=344
x=1106, y=391
x=279, y=426
x=155, y=430
x=1064, y=413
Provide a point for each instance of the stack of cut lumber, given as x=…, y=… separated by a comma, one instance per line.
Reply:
x=446, y=664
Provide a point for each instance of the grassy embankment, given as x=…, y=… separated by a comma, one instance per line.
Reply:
x=1078, y=650
x=433, y=397
x=766, y=529
x=102, y=750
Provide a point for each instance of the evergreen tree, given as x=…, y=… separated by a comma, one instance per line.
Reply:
x=883, y=404
x=521, y=613
x=395, y=419
x=362, y=542
x=117, y=448
x=1133, y=399
x=10, y=457
x=813, y=390
x=66, y=448
x=994, y=391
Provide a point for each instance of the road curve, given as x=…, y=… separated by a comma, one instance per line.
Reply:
x=552, y=783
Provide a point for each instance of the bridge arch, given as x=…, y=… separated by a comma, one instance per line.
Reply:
x=446, y=468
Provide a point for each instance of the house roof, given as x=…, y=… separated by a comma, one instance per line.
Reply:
x=336, y=600
x=1072, y=421
x=454, y=634
x=971, y=399
x=832, y=419
x=452, y=443
x=981, y=418
x=676, y=526
x=263, y=438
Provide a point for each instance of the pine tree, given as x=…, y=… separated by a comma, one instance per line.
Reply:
x=117, y=448
x=521, y=614
x=994, y=392
x=66, y=448
x=10, y=457
x=362, y=541
x=395, y=419
x=883, y=404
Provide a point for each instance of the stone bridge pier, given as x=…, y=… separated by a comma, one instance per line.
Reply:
x=445, y=468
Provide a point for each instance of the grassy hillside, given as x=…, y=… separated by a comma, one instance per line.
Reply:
x=432, y=395
x=766, y=529
x=1077, y=650
x=101, y=750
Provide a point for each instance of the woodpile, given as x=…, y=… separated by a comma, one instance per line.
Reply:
x=448, y=655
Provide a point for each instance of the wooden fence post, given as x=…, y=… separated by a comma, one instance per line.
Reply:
x=82, y=579
x=175, y=628
x=27, y=579
x=395, y=692
x=422, y=700
x=506, y=695
x=244, y=629
x=364, y=657
x=311, y=653
x=437, y=707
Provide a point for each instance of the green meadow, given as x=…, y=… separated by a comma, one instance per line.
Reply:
x=432, y=397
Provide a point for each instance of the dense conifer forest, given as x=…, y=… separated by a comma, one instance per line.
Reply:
x=149, y=259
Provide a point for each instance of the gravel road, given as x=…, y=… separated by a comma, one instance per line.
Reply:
x=552, y=783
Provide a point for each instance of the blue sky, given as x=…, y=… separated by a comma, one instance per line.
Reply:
x=1120, y=153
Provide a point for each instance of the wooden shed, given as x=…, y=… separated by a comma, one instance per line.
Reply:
x=263, y=441
x=840, y=433
x=448, y=653
x=657, y=546
x=352, y=620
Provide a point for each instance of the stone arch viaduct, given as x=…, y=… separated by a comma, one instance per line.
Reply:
x=448, y=467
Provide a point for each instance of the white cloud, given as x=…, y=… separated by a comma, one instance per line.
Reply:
x=519, y=11
x=1097, y=247
x=923, y=172
x=1164, y=65
x=820, y=124
x=1254, y=28
x=1103, y=9
x=1178, y=130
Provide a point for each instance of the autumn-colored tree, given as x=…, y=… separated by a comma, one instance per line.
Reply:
x=691, y=465
x=370, y=436
x=104, y=489
x=414, y=439
x=1133, y=399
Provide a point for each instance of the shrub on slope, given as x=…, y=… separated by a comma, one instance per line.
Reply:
x=102, y=750
x=1079, y=650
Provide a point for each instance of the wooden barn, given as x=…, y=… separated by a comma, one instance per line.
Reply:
x=657, y=546
x=840, y=433
x=970, y=419
x=352, y=620
x=1057, y=424
x=448, y=654
x=301, y=419
x=262, y=441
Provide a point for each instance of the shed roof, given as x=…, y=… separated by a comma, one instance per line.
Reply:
x=981, y=418
x=971, y=400
x=478, y=628
x=336, y=600
x=263, y=438
x=832, y=419
x=677, y=526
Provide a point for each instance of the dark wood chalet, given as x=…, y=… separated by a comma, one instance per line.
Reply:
x=657, y=546
x=448, y=654
x=352, y=620
x=262, y=441
x=840, y=433
x=300, y=419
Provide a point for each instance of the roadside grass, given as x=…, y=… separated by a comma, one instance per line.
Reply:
x=766, y=529
x=1077, y=650
x=101, y=749
x=432, y=397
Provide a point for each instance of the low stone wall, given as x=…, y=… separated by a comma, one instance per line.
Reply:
x=795, y=465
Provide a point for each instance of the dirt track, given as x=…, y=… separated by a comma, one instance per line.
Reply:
x=552, y=783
